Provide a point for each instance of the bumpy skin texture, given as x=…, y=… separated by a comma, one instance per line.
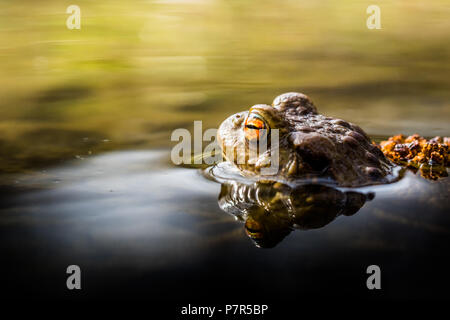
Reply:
x=310, y=144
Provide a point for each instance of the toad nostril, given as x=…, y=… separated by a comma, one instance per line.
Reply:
x=237, y=120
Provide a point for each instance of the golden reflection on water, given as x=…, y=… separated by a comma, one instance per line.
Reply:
x=139, y=69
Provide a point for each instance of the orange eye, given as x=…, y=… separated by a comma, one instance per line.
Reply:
x=255, y=127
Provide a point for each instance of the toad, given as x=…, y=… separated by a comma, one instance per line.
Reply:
x=309, y=145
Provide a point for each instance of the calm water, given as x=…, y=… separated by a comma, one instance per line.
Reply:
x=85, y=123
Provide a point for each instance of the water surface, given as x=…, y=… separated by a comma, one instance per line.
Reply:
x=141, y=228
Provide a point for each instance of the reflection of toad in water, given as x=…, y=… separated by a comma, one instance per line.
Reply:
x=271, y=211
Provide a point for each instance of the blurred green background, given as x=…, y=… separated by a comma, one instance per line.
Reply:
x=139, y=69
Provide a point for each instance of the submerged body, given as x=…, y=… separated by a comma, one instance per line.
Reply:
x=309, y=144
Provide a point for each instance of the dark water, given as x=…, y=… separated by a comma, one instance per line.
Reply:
x=140, y=228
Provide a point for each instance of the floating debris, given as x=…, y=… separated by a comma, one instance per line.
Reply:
x=432, y=156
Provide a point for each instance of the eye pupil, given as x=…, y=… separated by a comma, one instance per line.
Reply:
x=254, y=125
